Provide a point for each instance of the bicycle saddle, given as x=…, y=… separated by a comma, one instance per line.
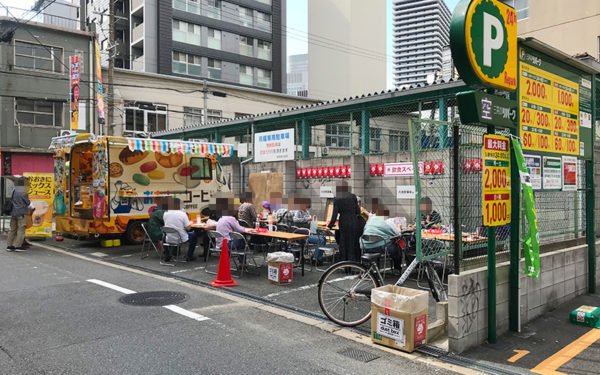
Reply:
x=371, y=257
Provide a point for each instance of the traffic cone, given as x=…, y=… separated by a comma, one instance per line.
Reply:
x=224, y=272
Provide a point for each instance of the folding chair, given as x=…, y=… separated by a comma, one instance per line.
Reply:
x=375, y=238
x=213, y=236
x=244, y=223
x=167, y=246
x=329, y=250
x=298, y=248
x=243, y=252
x=151, y=244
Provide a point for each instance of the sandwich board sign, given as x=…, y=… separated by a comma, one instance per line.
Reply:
x=483, y=40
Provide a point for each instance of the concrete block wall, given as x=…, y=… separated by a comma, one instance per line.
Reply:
x=563, y=277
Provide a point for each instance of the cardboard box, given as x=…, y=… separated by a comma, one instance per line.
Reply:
x=399, y=317
x=280, y=273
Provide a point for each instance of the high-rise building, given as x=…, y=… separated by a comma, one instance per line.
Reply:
x=421, y=31
x=235, y=41
x=346, y=47
x=297, y=75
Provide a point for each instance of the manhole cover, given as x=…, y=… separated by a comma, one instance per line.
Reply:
x=159, y=298
x=359, y=355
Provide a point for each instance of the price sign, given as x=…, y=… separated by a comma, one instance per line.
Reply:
x=496, y=180
x=549, y=111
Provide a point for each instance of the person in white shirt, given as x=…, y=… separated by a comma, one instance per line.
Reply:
x=177, y=219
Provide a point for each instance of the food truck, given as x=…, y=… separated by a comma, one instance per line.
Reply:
x=108, y=186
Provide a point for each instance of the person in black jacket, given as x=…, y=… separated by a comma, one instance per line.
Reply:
x=346, y=206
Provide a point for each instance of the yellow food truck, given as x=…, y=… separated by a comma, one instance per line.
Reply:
x=107, y=186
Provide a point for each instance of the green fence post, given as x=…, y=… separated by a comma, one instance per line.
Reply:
x=365, y=132
x=305, y=139
x=491, y=276
x=590, y=201
x=443, y=128
x=414, y=152
x=217, y=136
x=515, y=245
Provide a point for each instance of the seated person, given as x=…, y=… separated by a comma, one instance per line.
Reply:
x=302, y=217
x=175, y=218
x=430, y=219
x=378, y=225
x=155, y=223
x=266, y=210
x=247, y=212
x=229, y=223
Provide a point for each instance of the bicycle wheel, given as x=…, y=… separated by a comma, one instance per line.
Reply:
x=435, y=283
x=345, y=293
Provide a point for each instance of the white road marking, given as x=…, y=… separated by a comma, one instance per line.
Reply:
x=99, y=254
x=175, y=309
x=187, y=269
x=127, y=255
x=111, y=286
x=287, y=291
x=184, y=312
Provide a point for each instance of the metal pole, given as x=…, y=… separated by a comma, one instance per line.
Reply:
x=443, y=129
x=590, y=203
x=305, y=139
x=515, y=245
x=110, y=100
x=365, y=132
x=491, y=276
x=205, y=108
x=456, y=181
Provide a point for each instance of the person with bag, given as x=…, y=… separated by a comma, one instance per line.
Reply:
x=346, y=206
x=19, y=211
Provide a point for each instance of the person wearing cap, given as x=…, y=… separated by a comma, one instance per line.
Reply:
x=266, y=209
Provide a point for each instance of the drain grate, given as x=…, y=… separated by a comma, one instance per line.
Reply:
x=359, y=355
x=159, y=298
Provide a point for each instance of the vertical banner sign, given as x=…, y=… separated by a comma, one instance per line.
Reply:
x=41, y=193
x=74, y=77
x=496, y=180
x=100, y=93
x=531, y=245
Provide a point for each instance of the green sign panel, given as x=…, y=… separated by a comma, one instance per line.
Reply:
x=479, y=107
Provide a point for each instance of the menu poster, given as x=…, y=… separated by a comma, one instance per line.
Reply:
x=552, y=174
x=534, y=165
x=569, y=174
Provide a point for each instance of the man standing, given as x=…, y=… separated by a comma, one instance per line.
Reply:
x=178, y=220
x=20, y=208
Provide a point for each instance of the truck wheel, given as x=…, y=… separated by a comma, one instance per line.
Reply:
x=134, y=234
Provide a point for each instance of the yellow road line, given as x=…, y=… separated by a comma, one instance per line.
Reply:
x=520, y=354
x=551, y=364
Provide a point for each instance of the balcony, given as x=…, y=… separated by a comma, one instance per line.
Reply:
x=135, y=4
x=246, y=50
x=138, y=64
x=137, y=35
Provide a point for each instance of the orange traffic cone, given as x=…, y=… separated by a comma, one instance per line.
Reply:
x=224, y=273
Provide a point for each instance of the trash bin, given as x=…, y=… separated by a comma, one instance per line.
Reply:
x=280, y=266
x=399, y=317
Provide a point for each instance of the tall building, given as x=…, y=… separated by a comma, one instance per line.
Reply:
x=297, y=75
x=572, y=27
x=235, y=41
x=421, y=31
x=58, y=12
x=346, y=47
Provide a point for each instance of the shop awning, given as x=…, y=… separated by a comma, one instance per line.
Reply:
x=179, y=147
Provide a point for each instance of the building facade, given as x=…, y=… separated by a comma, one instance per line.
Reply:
x=421, y=31
x=346, y=47
x=236, y=41
x=572, y=27
x=297, y=75
x=35, y=91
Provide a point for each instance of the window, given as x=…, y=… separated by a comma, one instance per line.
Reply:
x=191, y=6
x=246, y=46
x=39, y=112
x=399, y=141
x=214, y=69
x=184, y=63
x=263, y=21
x=246, y=75
x=246, y=16
x=264, y=50
x=521, y=6
x=147, y=118
x=214, y=39
x=192, y=116
x=186, y=32
x=201, y=169
x=263, y=78
x=39, y=57
x=213, y=9
x=214, y=115
x=337, y=136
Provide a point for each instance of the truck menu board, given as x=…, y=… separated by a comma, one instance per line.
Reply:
x=549, y=110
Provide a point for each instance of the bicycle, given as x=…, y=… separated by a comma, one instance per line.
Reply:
x=344, y=289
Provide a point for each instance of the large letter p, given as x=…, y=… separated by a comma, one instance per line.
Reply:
x=490, y=22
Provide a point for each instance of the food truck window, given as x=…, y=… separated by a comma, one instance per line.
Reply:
x=201, y=169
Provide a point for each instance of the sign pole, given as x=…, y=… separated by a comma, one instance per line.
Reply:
x=491, y=276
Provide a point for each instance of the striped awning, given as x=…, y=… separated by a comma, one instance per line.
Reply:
x=179, y=147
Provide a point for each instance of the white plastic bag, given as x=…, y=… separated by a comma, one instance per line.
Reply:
x=280, y=256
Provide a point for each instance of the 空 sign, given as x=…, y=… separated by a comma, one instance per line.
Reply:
x=483, y=40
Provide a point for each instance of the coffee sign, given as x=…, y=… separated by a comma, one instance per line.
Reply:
x=483, y=40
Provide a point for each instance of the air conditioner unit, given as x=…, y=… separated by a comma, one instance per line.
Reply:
x=324, y=151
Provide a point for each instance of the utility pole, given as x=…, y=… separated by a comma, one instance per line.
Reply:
x=205, y=108
x=112, y=50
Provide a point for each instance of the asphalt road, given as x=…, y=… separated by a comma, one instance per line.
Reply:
x=54, y=320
